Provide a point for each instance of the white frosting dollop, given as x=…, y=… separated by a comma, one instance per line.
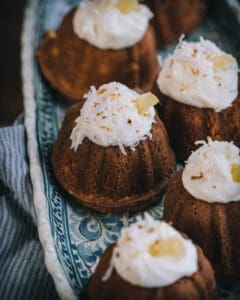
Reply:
x=109, y=117
x=134, y=263
x=201, y=75
x=208, y=173
x=105, y=27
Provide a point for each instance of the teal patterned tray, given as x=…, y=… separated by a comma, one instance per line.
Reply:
x=72, y=236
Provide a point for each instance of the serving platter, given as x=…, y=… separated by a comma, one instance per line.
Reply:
x=72, y=236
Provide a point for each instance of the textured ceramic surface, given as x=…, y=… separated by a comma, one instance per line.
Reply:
x=74, y=237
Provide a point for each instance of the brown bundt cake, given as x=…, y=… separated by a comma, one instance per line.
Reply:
x=199, y=285
x=71, y=64
x=187, y=124
x=215, y=225
x=175, y=17
x=112, y=178
x=194, y=116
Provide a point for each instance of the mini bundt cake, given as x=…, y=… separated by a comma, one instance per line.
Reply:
x=115, y=155
x=99, y=42
x=173, y=18
x=198, y=89
x=203, y=201
x=161, y=265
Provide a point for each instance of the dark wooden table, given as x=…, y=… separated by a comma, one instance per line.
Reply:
x=11, y=16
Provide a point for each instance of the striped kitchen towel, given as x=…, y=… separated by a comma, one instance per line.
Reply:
x=23, y=274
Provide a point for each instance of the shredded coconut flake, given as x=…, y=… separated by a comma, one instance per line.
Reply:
x=133, y=260
x=105, y=115
x=106, y=27
x=208, y=172
x=210, y=75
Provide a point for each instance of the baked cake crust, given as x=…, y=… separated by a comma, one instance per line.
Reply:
x=200, y=285
x=104, y=179
x=71, y=65
x=187, y=124
x=214, y=227
x=173, y=18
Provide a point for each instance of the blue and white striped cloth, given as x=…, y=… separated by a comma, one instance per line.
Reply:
x=23, y=274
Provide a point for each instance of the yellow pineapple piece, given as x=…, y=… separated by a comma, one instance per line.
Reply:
x=170, y=247
x=235, y=170
x=144, y=102
x=223, y=62
x=101, y=91
x=127, y=6
x=105, y=4
x=124, y=6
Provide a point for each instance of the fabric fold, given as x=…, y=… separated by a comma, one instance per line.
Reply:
x=23, y=274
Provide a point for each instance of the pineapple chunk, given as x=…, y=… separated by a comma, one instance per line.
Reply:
x=105, y=4
x=101, y=91
x=235, y=170
x=124, y=6
x=127, y=6
x=223, y=62
x=144, y=102
x=170, y=247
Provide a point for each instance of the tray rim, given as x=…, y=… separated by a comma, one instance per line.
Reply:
x=52, y=263
x=63, y=287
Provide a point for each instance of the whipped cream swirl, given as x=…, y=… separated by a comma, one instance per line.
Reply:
x=136, y=263
x=200, y=74
x=106, y=27
x=110, y=117
x=212, y=172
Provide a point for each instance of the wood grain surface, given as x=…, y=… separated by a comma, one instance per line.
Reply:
x=11, y=100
